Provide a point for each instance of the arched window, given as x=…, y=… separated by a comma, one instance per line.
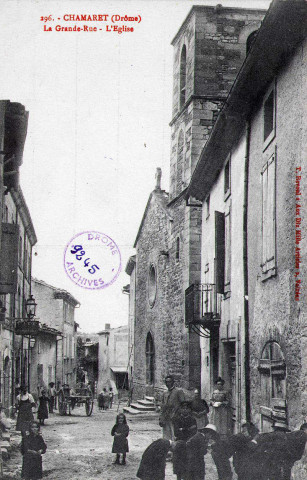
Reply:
x=183, y=74
x=150, y=360
x=272, y=367
x=177, y=248
x=152, y=285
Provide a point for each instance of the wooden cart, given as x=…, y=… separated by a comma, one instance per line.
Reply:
x=68, y=399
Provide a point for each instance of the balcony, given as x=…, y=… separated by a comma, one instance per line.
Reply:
x=203, y=305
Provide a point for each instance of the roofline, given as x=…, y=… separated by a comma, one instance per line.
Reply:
x=130, y=265
x=61, y=293
x=23, y=210
x=113, y=329
x=49, y=330
x=257, y=72
x=156, y=191
x=210, y=8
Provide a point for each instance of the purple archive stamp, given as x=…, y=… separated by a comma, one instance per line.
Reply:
x=92, y=260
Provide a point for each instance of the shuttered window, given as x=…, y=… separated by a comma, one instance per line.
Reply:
x=219, y=251
x=269, y=217
x=227, y=250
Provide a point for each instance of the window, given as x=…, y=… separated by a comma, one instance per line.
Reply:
x=272, y=368
x=268, y=219
x=269, y=117
x=177, y=248
x=183, y=73
x=219, y=252
x=227, y=251
x=207, y=207
x=152, y=285
x=150, y=356
x=20, y=251
x=5, y=213
x=227, y=180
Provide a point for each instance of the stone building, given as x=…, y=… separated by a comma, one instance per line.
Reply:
x=17, y=237
x=113, y=359
x=209, y=49
x=43, y=359
x=252, y=170
x=87, y=358
x=56, y=309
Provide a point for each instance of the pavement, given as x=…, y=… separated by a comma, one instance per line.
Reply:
x=79, y=447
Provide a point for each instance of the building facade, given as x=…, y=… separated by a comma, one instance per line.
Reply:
x=255, y=157
x=209, y=50
x=113, y=359
x=87, y=358
x=17, y=237
x=55, y=309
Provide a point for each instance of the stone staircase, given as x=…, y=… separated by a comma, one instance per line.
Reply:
x=9, y=441
x=145, y=406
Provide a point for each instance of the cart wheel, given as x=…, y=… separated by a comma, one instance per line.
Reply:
x=89, y=403
x=62, y=404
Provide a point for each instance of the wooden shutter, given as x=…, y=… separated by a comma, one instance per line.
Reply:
x=269, y=216
x=219, y=251
x=227, y=249
x=9, y=258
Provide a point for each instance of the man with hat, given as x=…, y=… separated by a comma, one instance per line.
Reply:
x=170, y=405
x=282, y=449
x=268, y=461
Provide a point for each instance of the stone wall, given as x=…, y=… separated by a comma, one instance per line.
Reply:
x=274, y=313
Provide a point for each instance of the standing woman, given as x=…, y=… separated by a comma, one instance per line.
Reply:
x=220, y=410
x=24, y=404
x=42, y=412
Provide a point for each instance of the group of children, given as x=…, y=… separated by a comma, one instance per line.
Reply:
x=105, y=399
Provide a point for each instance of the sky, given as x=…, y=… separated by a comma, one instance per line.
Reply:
x=99, y=110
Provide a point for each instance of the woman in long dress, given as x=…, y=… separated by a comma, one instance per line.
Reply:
x=24, y=404
x=220, y=411
x=42, y=412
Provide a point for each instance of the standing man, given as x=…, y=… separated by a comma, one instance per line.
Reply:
x=171, y=402
x=51, y=395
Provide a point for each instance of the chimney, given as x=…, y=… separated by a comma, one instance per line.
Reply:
x=107, y=326
x=158, y=179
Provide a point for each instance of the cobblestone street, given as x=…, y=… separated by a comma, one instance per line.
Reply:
x=79, y=447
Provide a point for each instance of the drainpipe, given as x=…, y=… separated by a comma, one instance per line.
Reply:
x=245, y=276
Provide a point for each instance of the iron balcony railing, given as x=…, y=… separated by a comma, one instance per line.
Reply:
x=202, y=305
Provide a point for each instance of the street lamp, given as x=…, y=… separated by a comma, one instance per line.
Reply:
x=28, y=326
x=31, y=307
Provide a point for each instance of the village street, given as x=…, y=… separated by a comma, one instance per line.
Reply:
x=79, y=447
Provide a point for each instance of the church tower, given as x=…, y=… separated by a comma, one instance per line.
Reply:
x=209, y=50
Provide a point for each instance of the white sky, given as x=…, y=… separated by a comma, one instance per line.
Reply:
x=99, y=107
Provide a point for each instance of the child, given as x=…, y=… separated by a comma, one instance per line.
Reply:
x=111, y=396
x=153, y=462
x=32, y=448
x=120, y=432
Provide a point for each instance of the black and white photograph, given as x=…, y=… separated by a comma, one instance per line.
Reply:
x=153, y=240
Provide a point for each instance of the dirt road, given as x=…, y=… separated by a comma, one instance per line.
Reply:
x=79, y=447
